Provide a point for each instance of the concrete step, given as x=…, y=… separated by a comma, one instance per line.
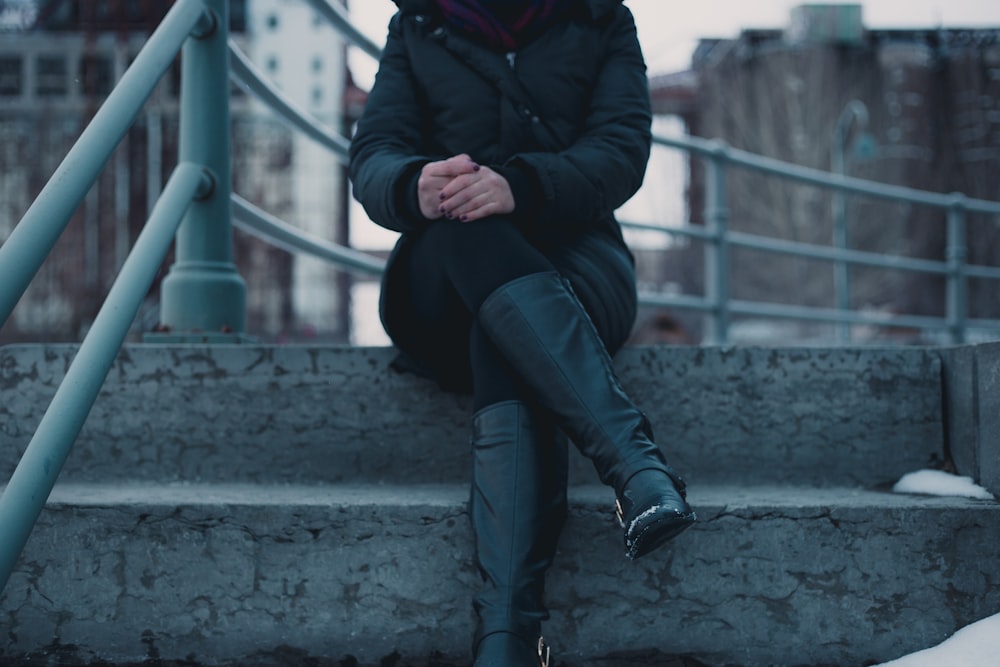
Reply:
x=823, y=417
x=251, y=574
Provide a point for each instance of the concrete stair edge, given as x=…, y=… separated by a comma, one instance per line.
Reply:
x=300, y=414
x=216, y=572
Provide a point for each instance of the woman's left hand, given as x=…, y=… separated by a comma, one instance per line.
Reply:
x=477, y=195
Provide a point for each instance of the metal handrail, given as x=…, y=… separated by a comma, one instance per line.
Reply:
x=190, y=25
x=718, y=238
x=717, y=149
x=243, y=71
x=265, y=226
x=35, y=475
x=338, y=17
x=24, y=251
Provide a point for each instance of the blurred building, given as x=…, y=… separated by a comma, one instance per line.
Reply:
x=59, y=59
x=931, y=120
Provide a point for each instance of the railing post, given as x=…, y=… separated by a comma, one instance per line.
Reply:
x=841, y=270
x=203, y=296
x=957, y=289
x=854, y=112
x=717, y=249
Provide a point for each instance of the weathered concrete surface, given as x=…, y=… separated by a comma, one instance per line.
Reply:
x=769, y=576
x=203, y=513
x=826, y=417
x=971, y=379
x=331, y=414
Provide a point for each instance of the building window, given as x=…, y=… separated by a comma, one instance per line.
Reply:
x=95, y=75
x=317, y=64
x=238, y=16
x=272, y=22
x=11, y=76
x=52, y=76
x=317, y=96
x=272, y=64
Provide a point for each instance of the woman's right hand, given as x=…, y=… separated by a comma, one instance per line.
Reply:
x=434, y=177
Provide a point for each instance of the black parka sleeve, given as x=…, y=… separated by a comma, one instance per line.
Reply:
x=605, y=166
x=575, y=183
x=385, y=156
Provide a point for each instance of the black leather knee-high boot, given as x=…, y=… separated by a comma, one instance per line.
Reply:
x=545, y=334
x=518, y=506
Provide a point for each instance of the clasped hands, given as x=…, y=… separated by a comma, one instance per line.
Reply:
x=460, y=189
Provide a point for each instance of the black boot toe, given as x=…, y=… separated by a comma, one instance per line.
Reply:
x=652, y=510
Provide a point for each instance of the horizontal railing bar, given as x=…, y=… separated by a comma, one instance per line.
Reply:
x=244, y=72
x=833, y=315
x=685, y=230
x=983, y=324
x=805, y=313
x=818, y=177
x=859, y=257
x=978, y=271
x=36, y=472
x=685, y=301
x=252, y=219
x=25, y=250
x=812, y=251
x=338, y=16
x=808, y=250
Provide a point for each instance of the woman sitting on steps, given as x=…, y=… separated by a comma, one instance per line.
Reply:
x=499, y=138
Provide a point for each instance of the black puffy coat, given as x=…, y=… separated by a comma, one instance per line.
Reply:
x=566, y=120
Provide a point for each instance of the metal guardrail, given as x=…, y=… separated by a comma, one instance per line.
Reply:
x=718, y=239
x=196, y=196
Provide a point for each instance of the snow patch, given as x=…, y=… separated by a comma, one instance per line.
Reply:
x=976, y=645
x=940, y=483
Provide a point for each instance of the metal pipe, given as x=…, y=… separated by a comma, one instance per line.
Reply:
x=203, y=292
x=855, y=110
x=36, y=473
x=283, y=235
x=24, y=251
x=717, y=249
x=957, y=287
x=820, y=178
x=337, y=15
x=244, y=72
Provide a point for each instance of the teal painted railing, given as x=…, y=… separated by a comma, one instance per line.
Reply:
x=718, y=240
x=193, y=210
x=205, y=293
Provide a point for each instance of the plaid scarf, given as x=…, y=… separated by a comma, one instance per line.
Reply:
x=502, y=25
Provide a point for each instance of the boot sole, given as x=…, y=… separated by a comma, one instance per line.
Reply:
x=658, y=531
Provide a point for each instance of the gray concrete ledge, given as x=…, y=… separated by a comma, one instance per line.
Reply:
x=971, y=378
x=826, y=417
x=779, y=576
